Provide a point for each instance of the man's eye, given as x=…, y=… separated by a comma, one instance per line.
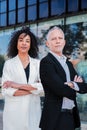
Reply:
x=53, y=39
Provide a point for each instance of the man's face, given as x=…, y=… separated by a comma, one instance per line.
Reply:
x=56, y=41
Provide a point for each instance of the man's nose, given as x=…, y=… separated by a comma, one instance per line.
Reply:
x=57, y=40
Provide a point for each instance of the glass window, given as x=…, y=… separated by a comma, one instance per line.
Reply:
x=43, y=10
x=72, y=5
x=84, y=4
x=57, y=7
x=3, y=20
x=12, y=17
x=42, y=0
x=3, y=6
x=12, y=4
x=21, y=3
x=21, y=15
x=32, y=13
x=30, y=2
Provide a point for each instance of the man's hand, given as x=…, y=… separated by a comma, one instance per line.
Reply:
x=78, y=79
x=70, y=84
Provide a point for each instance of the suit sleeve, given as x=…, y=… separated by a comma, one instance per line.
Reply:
x=52, y=81
x=82, y=88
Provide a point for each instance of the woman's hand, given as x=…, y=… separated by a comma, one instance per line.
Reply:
x=11, y=84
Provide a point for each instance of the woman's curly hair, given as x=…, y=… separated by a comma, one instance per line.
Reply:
x=12, y=50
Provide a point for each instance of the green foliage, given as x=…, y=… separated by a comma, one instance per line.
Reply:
x=74, y=37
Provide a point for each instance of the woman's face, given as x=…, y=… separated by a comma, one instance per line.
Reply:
x=23, y=44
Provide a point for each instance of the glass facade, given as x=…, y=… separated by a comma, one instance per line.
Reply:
x=3, y=7
x=32, y=10
x=59, y=7
x=11, y=12
x=84, y=4
x=21, y=18
x=11, y=5
x=43, y=8
x=3, y=13
x=73, y=5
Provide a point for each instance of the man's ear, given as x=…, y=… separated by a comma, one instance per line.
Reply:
x=47, y=43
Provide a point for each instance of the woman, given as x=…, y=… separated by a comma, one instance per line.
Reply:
x=21, y=84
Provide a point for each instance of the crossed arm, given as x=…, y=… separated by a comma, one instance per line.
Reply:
x=25, y=89
x=22, y=89
x=76, y=79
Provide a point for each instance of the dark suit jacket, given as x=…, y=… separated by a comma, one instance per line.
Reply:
x=53, y=77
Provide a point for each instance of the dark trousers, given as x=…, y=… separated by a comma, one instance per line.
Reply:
x=65, y=122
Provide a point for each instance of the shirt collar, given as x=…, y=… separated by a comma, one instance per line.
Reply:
x=58, y=57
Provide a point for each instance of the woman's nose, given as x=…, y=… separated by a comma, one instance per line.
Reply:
x=23, y=42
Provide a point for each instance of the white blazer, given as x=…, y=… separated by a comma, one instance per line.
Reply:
x=21, y=112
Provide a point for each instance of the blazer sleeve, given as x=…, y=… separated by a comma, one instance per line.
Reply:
x=38, y=83
x=5, y=77
x=52, y=81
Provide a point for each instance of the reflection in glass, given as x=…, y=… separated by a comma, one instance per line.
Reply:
x=12, y=4
x=72, y=5
x=43, y=10
x=42, y=0
x=32, y=12
x=21, y=15
x=3, y=19
x=21, y=3
x=57, y=7
x=30, y=2
x=3, y=6
x=11, y=17
x=84, y=4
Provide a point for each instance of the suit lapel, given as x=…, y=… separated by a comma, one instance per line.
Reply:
x=60, y=69
x=20, y=69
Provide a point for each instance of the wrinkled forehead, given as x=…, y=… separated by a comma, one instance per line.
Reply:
x=55, y=29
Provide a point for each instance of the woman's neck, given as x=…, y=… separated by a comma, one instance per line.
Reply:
x=24, y=59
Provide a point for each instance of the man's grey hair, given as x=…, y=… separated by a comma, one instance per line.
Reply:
x=54, y=28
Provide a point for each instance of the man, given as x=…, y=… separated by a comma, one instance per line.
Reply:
x=60, y=83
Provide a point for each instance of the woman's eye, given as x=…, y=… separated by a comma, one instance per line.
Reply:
x=20, y=40
x=27, y=41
